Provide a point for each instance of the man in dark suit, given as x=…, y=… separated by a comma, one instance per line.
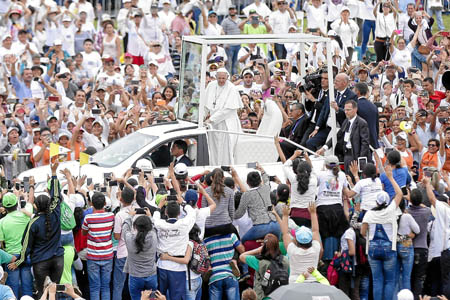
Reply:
x=296, y=130
x=352, y=138
x=342, y=95
x=369, y=112
x=179, y=149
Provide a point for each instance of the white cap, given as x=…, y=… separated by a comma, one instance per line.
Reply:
x=166, y=2
x=332, y=33
x=180, y=169
x=62, y=71
x=383, y=198
x=79, y=200
x=67, y=18
x=6, y=36
x=57, y=42
x=402, y=135
x=65, y=133
x=248, y=71
x=144, y=165
x=11, y=129
x=405, y=294
x=345, y=8
x=98, y=121
x=129, y=122
x=153, y=62
x=126, y=1
x=106, y=17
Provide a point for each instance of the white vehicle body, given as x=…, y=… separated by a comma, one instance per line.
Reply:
x=125, y=152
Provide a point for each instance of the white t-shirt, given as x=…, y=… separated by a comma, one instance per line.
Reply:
x=330, y=188
x=442, y=225
x=349, y=234
x=213, y=29
x=402, y=58
x=316, y=16
x=368, y=189
x=243, y=224
x=301, y=259
x=92, y=62
x=36, y=150
x=202, y=214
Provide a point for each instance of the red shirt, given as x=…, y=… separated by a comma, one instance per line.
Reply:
x=437, y=97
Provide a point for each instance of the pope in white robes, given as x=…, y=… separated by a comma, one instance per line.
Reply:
x=222, y=104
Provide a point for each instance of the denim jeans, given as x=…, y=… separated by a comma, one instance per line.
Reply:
x=405, y=261
x=119, y=278
x=232, y=53
x=260, y=230
x=280, y=51
x=99, y=273
x=368, y=26
x=67, y=239
x=20, y=280
x=170, y=284
x=419, y=271
x=383, y=262
x=227, y=286
x=195, y=293
x=364, y=286
x=438, y=13
x=139, y=284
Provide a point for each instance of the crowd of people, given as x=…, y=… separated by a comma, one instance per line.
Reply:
x=374, y=221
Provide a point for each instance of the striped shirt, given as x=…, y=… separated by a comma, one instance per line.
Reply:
x=99, y=226
x=221, y=250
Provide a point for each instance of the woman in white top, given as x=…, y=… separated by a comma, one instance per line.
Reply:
x=332, y=184
x=303, y=188
x=380, y=228
x=366, y=188
x=111, y=42
x=401, y=55
x=348, y=31
x=315, y=14
x=386, y=23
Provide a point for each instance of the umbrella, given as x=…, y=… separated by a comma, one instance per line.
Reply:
x=308, y=291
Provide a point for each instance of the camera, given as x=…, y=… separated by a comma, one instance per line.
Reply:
x=312, y=84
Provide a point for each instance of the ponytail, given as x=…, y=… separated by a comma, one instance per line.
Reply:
x=217, y=185
x=143, y=225
x=303, y=174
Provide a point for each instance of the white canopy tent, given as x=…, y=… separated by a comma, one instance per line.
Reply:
x=192, y=96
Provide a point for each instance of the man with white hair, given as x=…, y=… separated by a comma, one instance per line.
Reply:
x=342, y=95
x=222, y=104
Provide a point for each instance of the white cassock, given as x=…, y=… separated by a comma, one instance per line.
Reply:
x=272, y=119
x=223, y=102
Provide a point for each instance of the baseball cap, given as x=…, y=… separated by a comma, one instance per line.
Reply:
x=126, y=1
x=153, y=62
x=212, y=13
x=98, y=121
x=128, y=55
x=166, y=2
x=154, y=5
x=180, y=169
x=248, y=71
x=382, y=198
x=402, y=135
x=9, y=200
x=252, y=11
x=51, y=117
x=331, y=160
x=405, y=294
x=6, y=36
x=64, y=133
x=345, y=8
x=332, y=33
x=191, y=196
x=232, y=7
x=303, y=235
x=67, y=18
x=11, y=129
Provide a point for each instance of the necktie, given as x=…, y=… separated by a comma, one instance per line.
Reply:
x=338, y=98
x=347, y=127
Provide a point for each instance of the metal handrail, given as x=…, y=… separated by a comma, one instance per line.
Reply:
x=19, y=154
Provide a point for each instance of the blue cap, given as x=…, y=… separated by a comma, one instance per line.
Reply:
x=303, y=235
x=191, y=196
x=211, y=12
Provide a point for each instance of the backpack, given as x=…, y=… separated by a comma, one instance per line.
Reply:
x=278, y=276
x=332, y=273
x=67, y=218
x=200, y=262
x=360, y=250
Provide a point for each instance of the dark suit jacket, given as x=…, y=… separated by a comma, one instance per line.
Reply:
x=324, y=102
x=299, y=131
x=359, y=138
x=369, y=112
x=184, y=159
x=348, y=95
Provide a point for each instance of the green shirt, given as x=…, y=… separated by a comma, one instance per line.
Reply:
x=12, y=227
x=5, y=257
x=69, y=254
x=261, y=29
